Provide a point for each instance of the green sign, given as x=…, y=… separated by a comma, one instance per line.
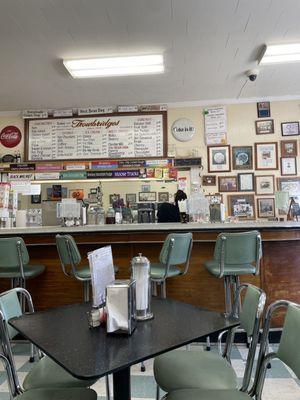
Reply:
x=72, y=175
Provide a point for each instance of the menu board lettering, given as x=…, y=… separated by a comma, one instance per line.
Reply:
x=129, y=136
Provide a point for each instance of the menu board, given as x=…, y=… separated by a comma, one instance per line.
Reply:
x=96, y=137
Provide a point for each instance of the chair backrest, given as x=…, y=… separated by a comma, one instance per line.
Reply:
x=238, y=248
x=13, y=252
x=289, y=346
x=68, y=252
x=10, y=307
x=176, y=249
x=250, y=318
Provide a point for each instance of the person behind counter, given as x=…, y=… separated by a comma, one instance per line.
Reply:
x=168, y=212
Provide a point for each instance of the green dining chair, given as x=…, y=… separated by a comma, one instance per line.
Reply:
x=45, y=373
x=200, y=369
x=70, y=258
x=288, y=352
x=14, y=262
x=174, y=260
x=235, y=254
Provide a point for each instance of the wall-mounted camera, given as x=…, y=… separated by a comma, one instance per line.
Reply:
x=252, y=74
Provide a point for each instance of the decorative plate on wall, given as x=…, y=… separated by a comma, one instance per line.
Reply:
x=183, y=129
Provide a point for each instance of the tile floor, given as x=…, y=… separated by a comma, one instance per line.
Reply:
x=280, y=384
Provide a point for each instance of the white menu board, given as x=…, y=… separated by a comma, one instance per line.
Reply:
x=96, y=137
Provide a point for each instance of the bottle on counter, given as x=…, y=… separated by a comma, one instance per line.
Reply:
x=100, y=220
x=111, y=216
x=118, y=216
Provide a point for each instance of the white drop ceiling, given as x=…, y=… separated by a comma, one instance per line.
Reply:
x=207, y=44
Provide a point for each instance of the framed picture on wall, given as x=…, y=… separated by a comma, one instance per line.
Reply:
x=288, y=166
x=163, y=197
x=266, y=156
x=290, y=185
x=265, y=207
x=288, y=148
x=228, y=184
x=264, y=185
x=263, y=109
x=113, y=198
x=209, y=180
x=218, y=158
x=264, y=126
x=147, y=196
x=246, y=182
x=242, y=157
x=130, y=198
x=290, y=128
x=241, y=206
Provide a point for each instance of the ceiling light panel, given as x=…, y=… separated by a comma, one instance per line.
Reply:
x=115, y=66
x=284, y=53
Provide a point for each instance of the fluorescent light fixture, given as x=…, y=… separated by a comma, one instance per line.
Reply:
x=115, y=66
x=282, y=53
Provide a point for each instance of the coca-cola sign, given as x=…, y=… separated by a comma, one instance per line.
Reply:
x=10, y=136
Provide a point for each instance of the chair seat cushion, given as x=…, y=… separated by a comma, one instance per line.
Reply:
x=157, y=271
x=180, y=369
x=58, y=394
x=229, y=269
x=46, y=373
x=30, y=271
x=196, y=394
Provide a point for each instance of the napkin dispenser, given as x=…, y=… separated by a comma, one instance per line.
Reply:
x=121, y=307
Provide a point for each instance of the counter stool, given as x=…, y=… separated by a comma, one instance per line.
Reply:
x=175, y=252
x=14, y=262
x=70, y=256
x=235, y=254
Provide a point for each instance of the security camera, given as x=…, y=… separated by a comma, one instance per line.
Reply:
x=252, y=74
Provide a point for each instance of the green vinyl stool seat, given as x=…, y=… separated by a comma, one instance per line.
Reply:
x=174, y=260
x=196, y=394
x=70, y=259
x=58, y=394
x=14, y=262
x=45, y=373
x=182, y=369
x=288, y=352
x=235, y=254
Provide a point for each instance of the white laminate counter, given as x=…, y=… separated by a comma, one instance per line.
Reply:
x=127, y=228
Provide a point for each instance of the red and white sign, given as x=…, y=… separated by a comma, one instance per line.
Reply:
x=10, y=136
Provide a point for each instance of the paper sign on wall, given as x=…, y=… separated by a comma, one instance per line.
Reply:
x=215, y=120
x=102, y=272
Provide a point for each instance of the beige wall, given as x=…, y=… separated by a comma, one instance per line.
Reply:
x=241, y=131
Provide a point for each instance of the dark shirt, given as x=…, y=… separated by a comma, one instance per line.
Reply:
x=168, y=213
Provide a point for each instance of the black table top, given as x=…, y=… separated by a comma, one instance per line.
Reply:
x=63, y=334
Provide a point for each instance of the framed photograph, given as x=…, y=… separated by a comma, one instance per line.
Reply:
x=77, y=194
x=241, y=206
x=163, y=197
x=288, y=166
x=218, y=158
x=266, y=156
x=113, y=197
x=265, y=207
x=290, y=185
x=246, y=182
x=147, y=196
x=36, y=199
x=145, y=187
x=264, y=126
x=130, y=198
x=290, y=128
x=288, y=148
x=209, y=180
x=228, y=184
x=264, y=185
x=263, y=109
x=242, y=157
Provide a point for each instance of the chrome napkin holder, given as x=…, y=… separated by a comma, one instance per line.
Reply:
x=121, y=307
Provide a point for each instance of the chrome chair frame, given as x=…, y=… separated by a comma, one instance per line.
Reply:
x=86, y=282
x=264, y=359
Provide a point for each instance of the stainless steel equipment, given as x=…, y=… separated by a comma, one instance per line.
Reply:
x=146, y=213
x=121, y=307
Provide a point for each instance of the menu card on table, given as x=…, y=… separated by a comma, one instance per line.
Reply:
x=102, y=272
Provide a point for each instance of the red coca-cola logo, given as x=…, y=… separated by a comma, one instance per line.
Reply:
x=10, y=136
